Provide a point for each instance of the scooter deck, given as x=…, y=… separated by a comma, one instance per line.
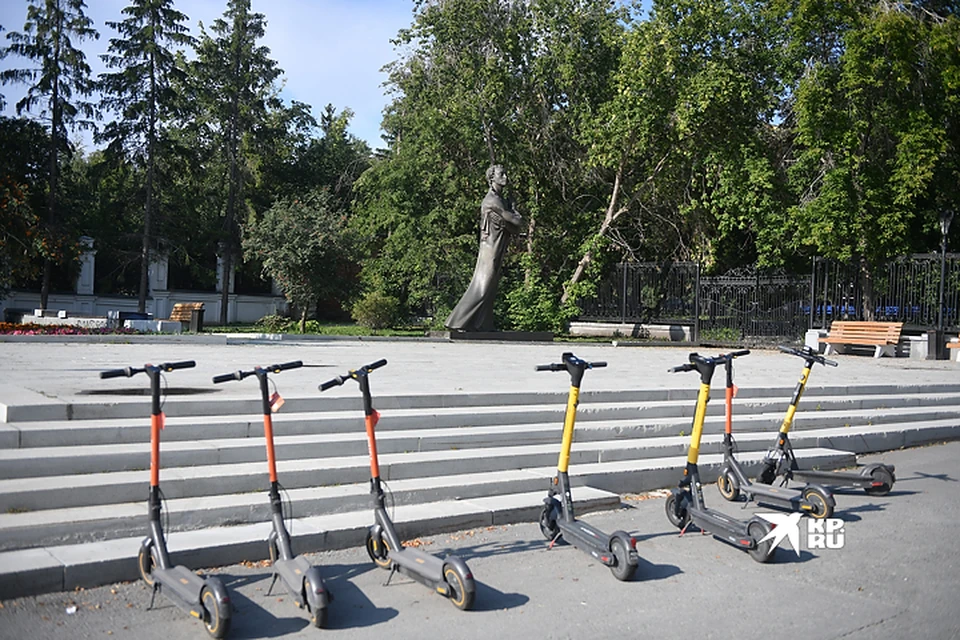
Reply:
x=184, y=585
x=835, y=478
x=291, y=572
x=721, y=526
x=588, y=539
x=422, y=567
x=778, y=496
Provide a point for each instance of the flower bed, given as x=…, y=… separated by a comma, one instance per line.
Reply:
x=33, y=329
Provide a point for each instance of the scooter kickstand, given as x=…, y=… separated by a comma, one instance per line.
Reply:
x=272, y=582
x=393, y=570
x=554, y=541
x=153, y=596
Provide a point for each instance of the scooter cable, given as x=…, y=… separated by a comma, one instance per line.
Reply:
x=288, y=511
x=387, y=493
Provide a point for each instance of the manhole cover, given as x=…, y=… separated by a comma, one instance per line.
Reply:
x=143, y=391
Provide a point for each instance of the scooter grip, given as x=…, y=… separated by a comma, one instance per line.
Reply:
x=741, y=353
x=597, y=365
x=681, y=368
x=170, y=366
x=832, y=363
x=296, y=364
x=116, y=373
x=376, y=365
x=226, y=377
x=329, y=384
x=550, y=367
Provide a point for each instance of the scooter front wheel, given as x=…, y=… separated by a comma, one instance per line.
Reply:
x=146, y=562
x=622, y=569
x=461, y=586
x=378, y=550
x=548, y=525
x=822, y=504
x=728, y=485
x=762, y=551
x=217, y=618
x=676, y=514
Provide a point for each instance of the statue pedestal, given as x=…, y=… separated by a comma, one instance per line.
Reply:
x=495, y=336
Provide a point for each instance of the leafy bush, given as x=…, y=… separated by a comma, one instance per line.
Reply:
x=275, y=324
x=377, y=310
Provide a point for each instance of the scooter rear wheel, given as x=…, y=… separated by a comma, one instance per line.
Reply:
x=379, y=551
x=677, y=519
x=882, y=475
x=623, y=569
x=728, y=485
x=462, y=589
x=548, y=526
x=763, y=551
x=217, y=618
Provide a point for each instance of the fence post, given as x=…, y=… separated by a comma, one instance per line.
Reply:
x=696, y=307
x=623, y=296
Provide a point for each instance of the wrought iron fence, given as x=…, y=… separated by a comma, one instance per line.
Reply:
x=755, y=303
x=906, y=290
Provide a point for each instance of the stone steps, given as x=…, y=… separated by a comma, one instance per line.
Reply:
x=73, y=484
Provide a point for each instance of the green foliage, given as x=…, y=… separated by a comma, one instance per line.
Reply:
x=304, y=245
x=376, y=310
x=275, y=324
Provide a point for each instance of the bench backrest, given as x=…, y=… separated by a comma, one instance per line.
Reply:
x=182, y=310
x=880, y=332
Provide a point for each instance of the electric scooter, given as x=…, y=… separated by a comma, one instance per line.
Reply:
x=449, y=576
x=685, y=503
x=617, y=550
x=876, y=479
x=204, y=598
x=814, y=500
x=302, y=580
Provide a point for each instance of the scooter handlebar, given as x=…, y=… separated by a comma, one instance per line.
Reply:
x=286, y=366
x=808, y=354
x=738, y=354
x=226, y=377
x=551, y=367
x=170, y=366
x=339, y=380
x=681, y=368
x=329, y=384
x=117, y=373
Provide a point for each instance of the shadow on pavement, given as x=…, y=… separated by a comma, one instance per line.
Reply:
x=490, y=599
x=648, y=571
x=250, y=620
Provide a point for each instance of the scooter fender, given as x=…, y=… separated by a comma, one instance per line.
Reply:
x=825, y=491
x=461, y=567
x=214, y=584
x=681, y=499
x=314, y=591
x=628, y=541
x=867, y=470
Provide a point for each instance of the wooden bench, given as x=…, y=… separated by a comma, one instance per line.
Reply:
x=883, y=336
x=183, y=313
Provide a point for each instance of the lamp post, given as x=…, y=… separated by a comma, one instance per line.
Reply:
x=946, y=217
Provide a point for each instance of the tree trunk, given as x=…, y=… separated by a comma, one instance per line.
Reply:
x=148, y=196
x=303, y=321
x=869, y=299
x=612, y=214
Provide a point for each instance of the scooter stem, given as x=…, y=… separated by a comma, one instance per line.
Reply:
x=569, y=419
x=267, y=423
x=795, y=400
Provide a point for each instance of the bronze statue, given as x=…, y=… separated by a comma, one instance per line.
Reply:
x=498, y=221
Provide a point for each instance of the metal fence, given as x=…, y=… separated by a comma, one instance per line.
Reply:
x=754, y=303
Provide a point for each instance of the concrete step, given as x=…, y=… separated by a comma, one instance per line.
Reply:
x=73, y=433
x=102, y=522
x=71, y=460
x=129, y=401
x=64, y=491
x=66, y=567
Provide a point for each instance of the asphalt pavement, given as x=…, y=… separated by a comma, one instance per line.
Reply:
x=896, y=576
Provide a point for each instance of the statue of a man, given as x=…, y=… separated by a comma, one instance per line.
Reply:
x=498, y=221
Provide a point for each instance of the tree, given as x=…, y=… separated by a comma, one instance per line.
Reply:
x=142, y=96
x=304, y=245
x=485, y=81
x=877, y=139
x=234, y=83
x=52, y=29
